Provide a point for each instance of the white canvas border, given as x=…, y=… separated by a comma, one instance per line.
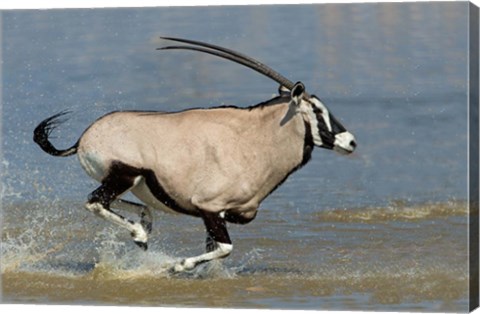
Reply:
x=49, y=4
x=76, y=309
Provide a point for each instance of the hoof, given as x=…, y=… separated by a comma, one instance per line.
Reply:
x=147, y=226
x=142, y=245
x=184, y=265
x=176, y=270
x=139, y=236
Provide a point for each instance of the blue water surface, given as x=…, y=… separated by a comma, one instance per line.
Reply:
x=395, y=74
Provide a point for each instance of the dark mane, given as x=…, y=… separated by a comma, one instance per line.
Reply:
x=271, y=102
x=274, y=101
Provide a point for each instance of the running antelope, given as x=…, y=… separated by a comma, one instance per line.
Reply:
x=217, y=163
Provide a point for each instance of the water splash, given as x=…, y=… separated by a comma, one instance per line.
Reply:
x=23, y=248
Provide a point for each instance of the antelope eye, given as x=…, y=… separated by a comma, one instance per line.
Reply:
x=317, y=110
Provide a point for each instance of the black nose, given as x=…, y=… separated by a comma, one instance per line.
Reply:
x=353, y=144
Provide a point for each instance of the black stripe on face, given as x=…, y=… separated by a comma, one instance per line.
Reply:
x=328, y=138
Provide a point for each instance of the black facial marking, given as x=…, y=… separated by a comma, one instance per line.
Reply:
x=316, y=110
x=328, y=138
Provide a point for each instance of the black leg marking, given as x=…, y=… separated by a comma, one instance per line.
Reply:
x=216, y=227
x=144, y=212
x=210, y=245
x=238, y=218
x=121, y=177
x=119, y=180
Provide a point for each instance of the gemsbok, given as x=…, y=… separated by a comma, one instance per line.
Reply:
x=215, y=163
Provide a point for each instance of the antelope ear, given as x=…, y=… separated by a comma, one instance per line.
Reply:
x=297, y=93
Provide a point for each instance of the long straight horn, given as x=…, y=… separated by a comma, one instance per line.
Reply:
x=232, y=56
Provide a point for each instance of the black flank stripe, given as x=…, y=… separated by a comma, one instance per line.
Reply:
x=160, y=194
x=120, y=170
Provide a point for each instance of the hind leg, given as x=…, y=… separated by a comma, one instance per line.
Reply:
x=117, y=182
x=146, y=217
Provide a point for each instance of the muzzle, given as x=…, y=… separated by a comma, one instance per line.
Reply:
x=344, y=143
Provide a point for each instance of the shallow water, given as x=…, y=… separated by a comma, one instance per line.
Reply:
x=384, y=229
x=393, y=258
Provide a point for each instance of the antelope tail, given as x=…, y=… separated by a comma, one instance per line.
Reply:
x=43, y=131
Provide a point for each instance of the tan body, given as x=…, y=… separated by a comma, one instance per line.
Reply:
x=209, y=159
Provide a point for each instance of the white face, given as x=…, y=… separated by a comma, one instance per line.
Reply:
x=327, y=132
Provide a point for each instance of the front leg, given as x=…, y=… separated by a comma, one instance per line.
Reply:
x=218, y=241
